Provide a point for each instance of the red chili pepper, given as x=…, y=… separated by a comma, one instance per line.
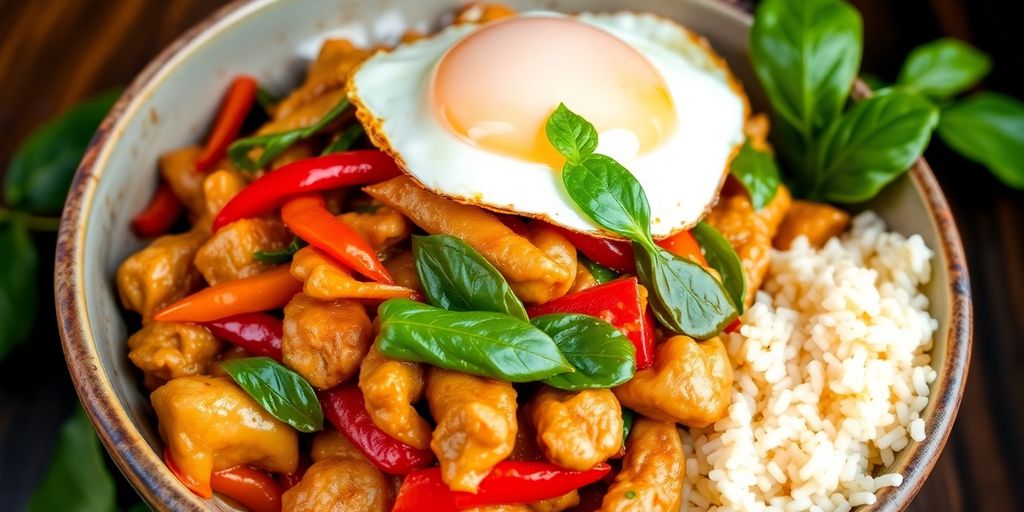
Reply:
x=160, y=213
x=684, y=245
x=267, y=290
x=614, y=254
x=308, y=218
x=255, y=489
x=258, y=333
x=509, y=482
x=622, y=303
x=304, y=176
x=233, y=110
x=344, y=407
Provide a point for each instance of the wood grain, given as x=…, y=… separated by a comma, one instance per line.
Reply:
x=54, y=54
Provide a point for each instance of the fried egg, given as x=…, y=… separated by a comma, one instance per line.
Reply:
x=463, y=112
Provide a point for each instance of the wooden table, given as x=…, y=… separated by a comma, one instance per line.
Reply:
x=53, y=54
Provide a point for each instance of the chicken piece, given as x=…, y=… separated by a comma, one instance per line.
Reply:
x=563, y=502
x=340, y=485
x=324, y=341
x=326, y=279
x=817, y=221
x=178, y=169
x=476, y=425
x=330, y=71
x=166, y=350
x=748, y=233
x=228, y=353
x=652, y=473
x=483, y=13
x=537, y=273
x=160, y=274
x=390, y=388
x=305, y=115
x=690, y=383
x=402, y=267
x=219, y=188
x=231, y=252
x=756, y=129
x=775, y=211
x=583, y=280
x=331, y=444
x=500, y=508
x=576, y=430
x=382, y=229
x=210, y=424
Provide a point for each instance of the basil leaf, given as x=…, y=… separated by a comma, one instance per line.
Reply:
x=600, y=273
x=873, y=81
x=602, y=355
x=806, y=54
x=684, y=296
x=274, y=144
x=18, y=293
x=279, y=256
x=41, y=170
x=627, y=424
x=78, y=479
x=477, y=342
x=282, y=392
x=266, y=100
x=456, y=277
x=944, y=68
x=574, y=137
x=610, y=195
x=723, y=258
x=875, y=142
x=758, y=173
x=343, y=141
x=988, y=128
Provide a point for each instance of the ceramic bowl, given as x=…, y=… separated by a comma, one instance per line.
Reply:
x=171, y=104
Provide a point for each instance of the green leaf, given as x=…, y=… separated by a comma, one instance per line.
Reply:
x=610, y=195
x=627, y=423
x=944, y=68
x=571, y=135
x=988, y=128
x=41, y=170
x=456, y=277
x=685, y=297
x=282, y=255
x=18, y=293
x=875, y=142
x=602, y=356
x=600, y=273
x=266, y=100
x=78, y=480
x=477, y=342
x=723, y=258
x=806, y=54
x=873, y=81
x=343, y=141
x=274, y=144
x=758, y=173
x=282, y=392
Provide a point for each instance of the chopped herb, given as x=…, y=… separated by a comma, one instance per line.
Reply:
x=279, y=256
x=273, y=144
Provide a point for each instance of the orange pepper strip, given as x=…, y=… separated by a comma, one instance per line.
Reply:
x=201, y=490
x=249, y=486
x=684, y=245
x=308, y=218
x=268, y=290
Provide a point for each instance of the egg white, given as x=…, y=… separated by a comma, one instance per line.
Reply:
x=681, y=176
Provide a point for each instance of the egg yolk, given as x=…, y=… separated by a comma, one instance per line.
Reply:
x=496, y=87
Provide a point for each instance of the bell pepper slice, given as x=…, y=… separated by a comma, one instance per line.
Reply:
x=684, y=245
x=160, y=213
x=237, y=103
x=258, y=333
x=255, y=489
x=622, y=303
x=268, y=290
x=614, y=254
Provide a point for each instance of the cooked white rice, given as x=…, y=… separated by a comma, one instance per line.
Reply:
x=832, y=373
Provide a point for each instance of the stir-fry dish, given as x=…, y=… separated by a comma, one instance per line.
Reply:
x=482, y=270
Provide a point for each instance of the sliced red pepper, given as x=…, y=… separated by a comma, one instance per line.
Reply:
x=255, y=489
x=344, y=407
x=622, y=303
x=160, y=213
x=684, y=245
x=237, y=103
x=317, y=174
x=508, y=483
x=307, y=216
x=258, y=333
x=614, y=254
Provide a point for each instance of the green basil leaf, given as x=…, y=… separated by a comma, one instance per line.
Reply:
x=266, y=100
x=18, y=293
x=806, y=54
x=600, y=273
x=282, y=255
x=988, y=128
x=41, y=170
x=610, y=195
x=456, y=277
x=574, y=137
x=77, y=480
x=344, y=140
x=944, y=68
x=282, y=392
x=602, y=356
x=477, y=342
x=274, y=144
x=627, y=423
x=873, y=81
x=758, y=173
x=875, y=142
x=684, y=296
x=723, y=258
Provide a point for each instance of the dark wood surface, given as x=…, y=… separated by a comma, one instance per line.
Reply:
x=55, y=53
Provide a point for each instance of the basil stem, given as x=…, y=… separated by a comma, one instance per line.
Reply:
x=344, y=140
x=282, y=392
x=273, y=144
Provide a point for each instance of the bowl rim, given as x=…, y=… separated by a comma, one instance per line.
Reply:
x=144, y=468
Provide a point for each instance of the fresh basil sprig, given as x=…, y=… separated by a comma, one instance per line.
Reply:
x=481, y=343
x=282, y=392
x=988, y=127
x=758, y=173
x=723, y=258
x=456, y=277
x=273, y=144
x=943, y=68
x=602, y=356
x=282, y=255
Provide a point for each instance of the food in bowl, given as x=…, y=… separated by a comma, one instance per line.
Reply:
x=518, y=296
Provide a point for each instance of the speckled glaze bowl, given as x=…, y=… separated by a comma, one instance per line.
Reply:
x=171, y=104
